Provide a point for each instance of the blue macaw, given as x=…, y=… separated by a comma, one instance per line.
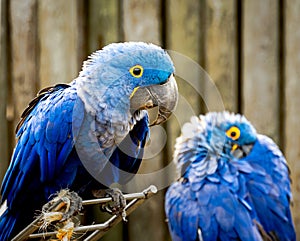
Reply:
x=234, y=183
x=88, y=134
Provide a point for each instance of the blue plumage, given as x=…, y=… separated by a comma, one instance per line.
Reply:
x=80, y=135
x=269, y=186
x=234, y=183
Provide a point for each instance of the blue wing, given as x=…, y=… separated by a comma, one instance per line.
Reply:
x=268, y=183
x=211, y=211
x=42, y=162
x=45, y=141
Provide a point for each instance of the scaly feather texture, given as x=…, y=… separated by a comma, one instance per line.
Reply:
x=234, y=183
x=56, y=130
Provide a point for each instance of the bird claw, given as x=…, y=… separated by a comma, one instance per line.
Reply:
x=118, y=203
x=62, y=207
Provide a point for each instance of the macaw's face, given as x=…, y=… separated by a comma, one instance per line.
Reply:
x=230, y=134
x=142, y=73
x=240, y=138
x=152, y=73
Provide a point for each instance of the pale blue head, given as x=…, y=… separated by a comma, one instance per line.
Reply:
x=132, y=76
x=137, y=63
x=214, y=135
x=237, y=131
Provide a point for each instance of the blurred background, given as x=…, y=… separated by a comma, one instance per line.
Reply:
x=250, y=49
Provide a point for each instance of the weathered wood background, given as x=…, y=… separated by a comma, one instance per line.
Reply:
x=250, y=48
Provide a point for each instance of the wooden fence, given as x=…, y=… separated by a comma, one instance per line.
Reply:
x=250, y=48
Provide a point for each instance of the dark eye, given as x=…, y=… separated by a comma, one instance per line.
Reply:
x=136, y=71
x=233, y=132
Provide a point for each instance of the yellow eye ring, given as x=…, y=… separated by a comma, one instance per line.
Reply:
x=136, y=71
x=233, y=133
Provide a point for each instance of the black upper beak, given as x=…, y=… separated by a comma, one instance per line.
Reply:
x=165, y=96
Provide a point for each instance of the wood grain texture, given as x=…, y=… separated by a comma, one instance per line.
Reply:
x=103, y=23
x=183, y=26
x=292, y=93
x=3, y=90
x=260, y=58
x=221, y=53
x=24, y=53
x=141, y=21
x=58, y=34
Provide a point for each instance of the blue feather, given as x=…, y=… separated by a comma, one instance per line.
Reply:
x=234, y=188
x=269, y=186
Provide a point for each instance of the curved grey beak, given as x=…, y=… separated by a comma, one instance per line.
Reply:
x=241, y=151
x=164, y=96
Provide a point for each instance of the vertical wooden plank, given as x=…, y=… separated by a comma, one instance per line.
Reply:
x=183, y=22
x=221, y=52
x=184, y=35
x=292, y=108
x=82, y=32
x=58, y=33
x=260, y=58
x=3, y=89
x=24, y=54
x=103, y=23
x=141, y=22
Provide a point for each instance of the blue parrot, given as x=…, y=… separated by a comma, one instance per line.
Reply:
x=88, y=134
x=234, y=183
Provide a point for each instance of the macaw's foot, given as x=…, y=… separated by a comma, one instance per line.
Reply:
x=118, y=203
x=62, y=207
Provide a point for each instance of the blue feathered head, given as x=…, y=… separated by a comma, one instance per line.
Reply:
x=213, y=137
x=141, y=64
x=132, y=75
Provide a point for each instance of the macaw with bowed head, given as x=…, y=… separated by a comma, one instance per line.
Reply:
x=88, y=134
x=234, y=183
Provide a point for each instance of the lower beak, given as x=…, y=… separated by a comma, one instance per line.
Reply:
x=165, y=96
x=241, y=151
